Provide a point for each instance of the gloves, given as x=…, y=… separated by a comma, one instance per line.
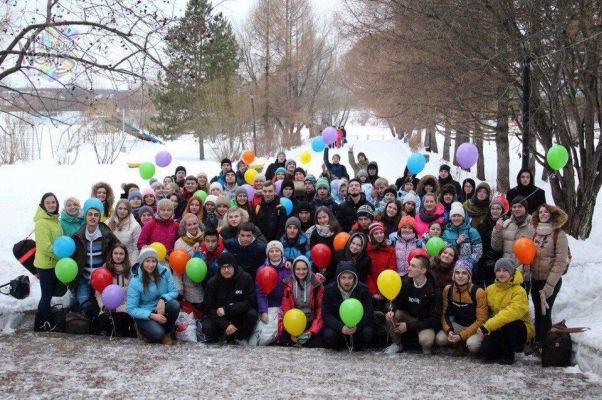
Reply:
x=544, y=304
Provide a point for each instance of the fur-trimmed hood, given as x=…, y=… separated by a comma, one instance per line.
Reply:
x=424, y=180
x=559, y=217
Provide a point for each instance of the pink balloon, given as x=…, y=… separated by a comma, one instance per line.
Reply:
x=467, y=155
x=163, y=159
x=329, y=135
x=278, y=185
x=112, y=296
x=250, y=191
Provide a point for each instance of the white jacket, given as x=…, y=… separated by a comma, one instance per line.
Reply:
x=128, y=235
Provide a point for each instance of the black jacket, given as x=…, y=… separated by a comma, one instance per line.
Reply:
x=362, y=265
x=249, y=258
x=271, y=171
x=337, y=170
x=450, y=181
x=236, y=295
x=270, y=219
x=535, y=196
x=424, y=304
x=348, y=209
x=484, y=272
x=229, y=232
x=79, y=237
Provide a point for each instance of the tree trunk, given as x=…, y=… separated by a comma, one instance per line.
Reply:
x=201, y=140
x=433, y=140
x=446, y=143
x=501, y=143
x=478, y=141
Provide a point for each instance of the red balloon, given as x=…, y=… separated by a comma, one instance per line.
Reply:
x=100, y=279
x=320, y=255
x=417, y=252
x=524, y=249
x=267, y=278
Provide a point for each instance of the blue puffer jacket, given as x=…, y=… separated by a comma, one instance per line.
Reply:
x=472, y=248
x=294, y=250
x=140, y=303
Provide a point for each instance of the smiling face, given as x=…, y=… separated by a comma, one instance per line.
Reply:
x=415, y=269
x=190, y=185
x=457, y=219
x=496, y=210
x=299, y=176
x=145, y=217
x=354, y=188
x=210, y=207
x=101, y=194
x=242, y=198
x=165, y=212
x=448, y=198
x=322, y=218
x=518, y=210
x=355, y=246
x=461, y=276
x=71, y=208
x=195, y=206
x=447, y=255
x=501, y=275
x=482, y=194
x=50, y=204
x=544, y=214
x=429, y=203
x=301, y=270
x=192, y=226
x=391, y=210
x=149, y=264
x=234, y=218
x=287, y=192
x=180, y=175
x=435, y=230
x=275, y=255
x=118, y=255
x=222, y=208
x=468, y=188
x=378, y=236
x=268, y=192
x=406, y=230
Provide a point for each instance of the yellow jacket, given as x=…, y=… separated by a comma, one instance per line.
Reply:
x=507, y=303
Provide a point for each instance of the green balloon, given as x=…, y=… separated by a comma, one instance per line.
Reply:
x=196, y=269
x=351, y=312
x=232, y=203
x=66, y=270
x=557, y=157
x=434, y=245
x=147, y=170
x=202, y=194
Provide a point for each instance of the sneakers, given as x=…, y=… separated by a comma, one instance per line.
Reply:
x=393, y=349
x=46, y=327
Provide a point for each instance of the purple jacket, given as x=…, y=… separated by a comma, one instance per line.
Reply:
x=274, y=298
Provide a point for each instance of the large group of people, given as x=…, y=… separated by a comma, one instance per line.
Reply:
x=472, y=295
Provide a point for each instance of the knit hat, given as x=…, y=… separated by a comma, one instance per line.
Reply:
x=444, y=167
x=299, y=169
x=464, y=263
x=180, y=168
x=226, y=161
x=392, y=191
x=239, y=190
x=503, y=201
x=448, y=188
x=293, y=221
x=147, y=252
x=202, y=174
x=375, y=227
x=134, y=194
x=147, y=192
x=222, y=200
x=498, y=202
x=259, y=177
x=322, y=183
x=410, y=198
x=520, y=199
x=216, y=185
x=211, y=199
x=279, y=170
x=290, y=162
x=457, y=209
x=362, y=172
x=93, y=202
x=145, y=209
x=365, y=211
x=226, y=258
x=505, y=264
x=274, y=244
x=310, y=178
x=303, y=206
x=405, y=221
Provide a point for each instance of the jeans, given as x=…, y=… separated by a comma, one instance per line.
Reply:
x=426, y=337
x=48, y=281
x=154, y=331
x=503, y=343
x=543, y=323
x=86, y=299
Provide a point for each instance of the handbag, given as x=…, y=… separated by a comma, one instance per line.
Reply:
x=18, y=287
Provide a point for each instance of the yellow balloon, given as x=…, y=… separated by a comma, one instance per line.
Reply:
x=305, y=157
x=389, y=283
x=160, y=249
x=294, y=321
x=250, y=176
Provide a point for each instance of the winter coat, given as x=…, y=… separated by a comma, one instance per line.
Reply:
x=402, y=193
x=422, y=224
x=484, y=274
x=402, y=250
x=315, y=291
x=333, y=298
x=47, y=230
x=474, y=213
x=507, y=303
x=297, y=248
x=359, y=165
x=535, y=196
x=450, y=181
x=159, y=230
x=128, y=235
x=250, y=257
x=193, y=292
x=71, y=224
x=336, y=170
x=274, y=298
x=327, y=202
x=220, y=178
x=380, y=259
x=141, y=303
x=504, y=240
x=235, y=295
x=423, y=303
x=551, y=258
x=443, y=274
x=347, y=211
x=472, y=247
x=422, y=183
x=362, y=264
x=458, y=310
x=210, y=258
x=270, y=219
x=271, y=171
x=123, y=282
x=108, y=240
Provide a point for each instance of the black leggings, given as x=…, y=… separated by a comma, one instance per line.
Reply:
x=503, y=343
x=314, y=342
x=543, y=323
x=336, y=340
x=214, y=328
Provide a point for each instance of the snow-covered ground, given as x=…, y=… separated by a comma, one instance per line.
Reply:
x=579, y=300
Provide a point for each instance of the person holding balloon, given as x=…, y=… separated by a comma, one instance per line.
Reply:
x=507, y=231
x=189, y=242
x=382, y=257
x=162, y=228
x=241, y=168
x=152, y=298
x=459, y=233
x=104, y=192
x=525, y=187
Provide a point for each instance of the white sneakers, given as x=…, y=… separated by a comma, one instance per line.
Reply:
x=393, y=349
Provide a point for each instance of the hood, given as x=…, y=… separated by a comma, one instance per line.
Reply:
x=531, y=183
x=346, y=266
x=428, y=178
x=559, y=217
x=41, y=214
x=516, y=280
x=372, y=164
x=364, y=243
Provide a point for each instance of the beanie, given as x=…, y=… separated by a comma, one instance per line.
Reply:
x=373, y=228
x=407, y=221
x=444, y=167
x=365, y=211
x=274, y=244
x=290, y=162
x=310, y=178
x=240, y=190
x=287, y=184
x=448, y=188
x=147, y=252
x=211, y=199
x=464, y=263
x=361, y=172
x=216, y=185
x=505, y=264
x=226, y=161
x=202, y=174
x=180, y=168
x=222, y=200
x=226, y=258
x=498, y=202
x=145, y=209
x=293, y=221
x=322, y=183
x=457, y=209
x=134, y=194
x=304, y=206
x=410, y=198
x=520, y=199
x=280, y=170
x=502, y=199
x=147, y=192
x=259, y=177
x=93, y=202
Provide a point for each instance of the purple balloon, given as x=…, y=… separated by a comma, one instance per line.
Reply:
x=250, y=191
x=329, y=135
x=163, y=159
x=467, y=155
x=112, y=296
x=278, y=185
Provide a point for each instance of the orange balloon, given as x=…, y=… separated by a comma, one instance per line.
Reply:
x=178, y=259
x=248, y=156
x=524, y=249
x=340, y=240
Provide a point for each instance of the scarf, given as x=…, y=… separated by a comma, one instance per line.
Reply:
x=324, y=231
x=479, y=203
x=519, y=221
x=190, y=240
x=428, y=218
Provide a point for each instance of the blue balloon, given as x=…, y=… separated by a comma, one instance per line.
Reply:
x=317, y=144
x=416, y=163
x=63, y=247
x=287, y=204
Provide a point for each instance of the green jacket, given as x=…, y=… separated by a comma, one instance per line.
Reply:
x=359, y=165
x=71, y=224
x=47, y=230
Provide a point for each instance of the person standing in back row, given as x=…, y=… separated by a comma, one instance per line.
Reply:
x=526, y=188
x=336, y=169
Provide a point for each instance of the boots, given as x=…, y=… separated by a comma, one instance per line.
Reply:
x=459, y=349
x=167, y=340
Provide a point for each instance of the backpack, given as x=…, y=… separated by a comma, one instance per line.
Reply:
x=557, y=346
x=18, y=287
x=25, y=251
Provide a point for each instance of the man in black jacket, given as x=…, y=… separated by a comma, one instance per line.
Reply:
x=336, y=169
x=346, y=286
x=270, y=216
x=417, y=309
x=348, y=209
x=249, y=252
x=445, y=178
x=279, y=163
x=229, y=302
x=525, y=187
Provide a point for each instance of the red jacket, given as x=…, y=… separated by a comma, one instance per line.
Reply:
x=316, y=293
x=382, y=258
x=157, y=230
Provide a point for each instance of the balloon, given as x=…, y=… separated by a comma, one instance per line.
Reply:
x=305, y=157
x=267, y=279
x=63, y=247
x=196, y=269
x=160, y=249
x=232, y=203
x=202, y=194
x=467, y=155
x=317, y=144
x=294, y=321
x=329, y=135
x=524, y=249
x=351, y=312
x=416, y=163
x=340, y=240
x=66, y=270
x=287, y=204
x=248, y=156
x=417, y=252
x=389, y=284
x=250, y=176
x=504, y=202
x=557, y=157
x=320, y=255
x=278, y=186
x=178, y=259
x=434, y=245
x=100, y=278
x=250, y=191
x=147, y=170
x=163, y=158
x=112, y=297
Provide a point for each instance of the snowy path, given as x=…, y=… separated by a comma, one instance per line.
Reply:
x=48, y=366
